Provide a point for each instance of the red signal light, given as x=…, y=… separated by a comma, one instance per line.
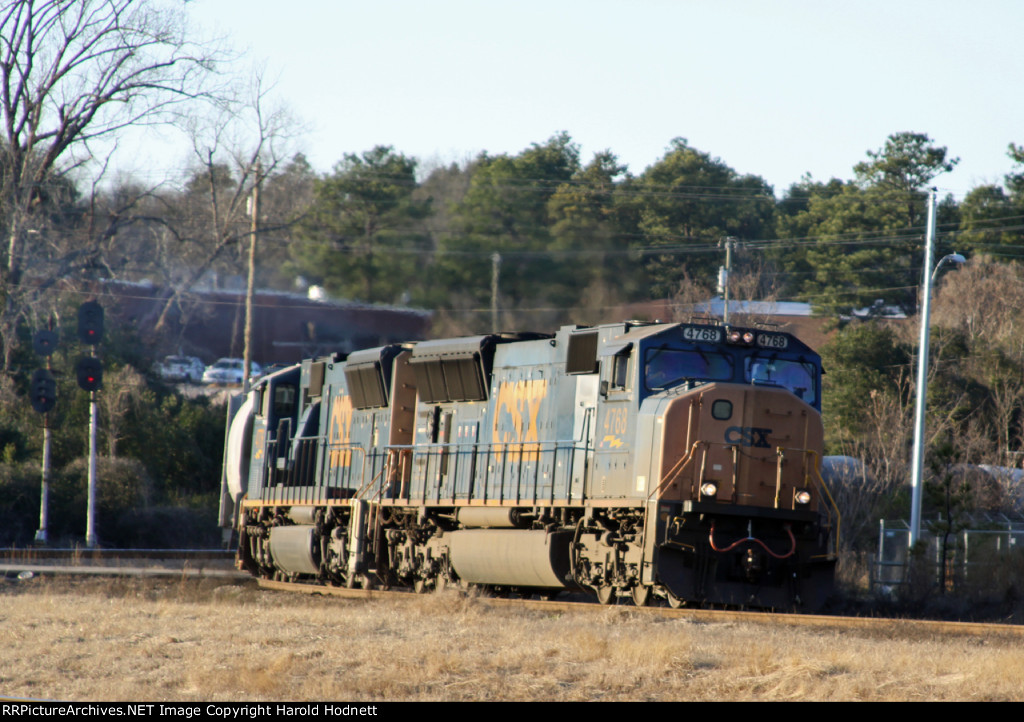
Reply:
x=89, y=371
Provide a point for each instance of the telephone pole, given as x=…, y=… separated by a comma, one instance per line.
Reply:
x=723, y=274
x=254, y=209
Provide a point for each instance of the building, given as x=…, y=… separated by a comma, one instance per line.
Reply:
x=287, y=327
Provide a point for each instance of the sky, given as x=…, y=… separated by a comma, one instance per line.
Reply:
x=776, y=88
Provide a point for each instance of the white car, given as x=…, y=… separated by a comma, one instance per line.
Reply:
x=186, y=369
x=228, y=371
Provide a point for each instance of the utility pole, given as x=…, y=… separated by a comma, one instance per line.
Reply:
x=254, y=209
x=723, y=274
x=495, y=270
x=917, y=464
x=921, y=403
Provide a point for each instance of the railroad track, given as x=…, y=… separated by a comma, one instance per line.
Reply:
x=34, y=553
x=120, y=562
x=901, y=627
x=217, y=564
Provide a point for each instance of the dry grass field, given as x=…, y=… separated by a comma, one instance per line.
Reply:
x=143, y=640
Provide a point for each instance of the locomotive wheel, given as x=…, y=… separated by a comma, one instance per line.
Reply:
x=674, y=601
x=606, y=594
x=641, y=595
x=419, y=585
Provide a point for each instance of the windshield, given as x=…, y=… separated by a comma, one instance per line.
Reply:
x=797, y=376
x=670, y=367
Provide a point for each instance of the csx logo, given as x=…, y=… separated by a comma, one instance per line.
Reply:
x=748, y=436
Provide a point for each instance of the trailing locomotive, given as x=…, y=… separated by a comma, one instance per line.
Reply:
x=673, y=461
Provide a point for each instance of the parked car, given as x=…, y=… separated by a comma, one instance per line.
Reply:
x=178, y=369
x=228, y=371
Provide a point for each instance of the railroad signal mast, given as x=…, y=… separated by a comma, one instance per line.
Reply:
x=89, y=371
x=43, y=392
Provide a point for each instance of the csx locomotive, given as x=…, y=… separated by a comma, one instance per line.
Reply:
x=669, y=460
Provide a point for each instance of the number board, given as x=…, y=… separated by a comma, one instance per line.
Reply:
x=697, y=333
x=772, y=340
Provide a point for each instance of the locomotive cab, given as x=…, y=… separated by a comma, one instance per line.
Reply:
x=742, y=514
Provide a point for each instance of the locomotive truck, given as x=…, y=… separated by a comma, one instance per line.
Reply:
x=672, y=461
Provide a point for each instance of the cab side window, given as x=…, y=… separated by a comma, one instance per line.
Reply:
x=620, y=371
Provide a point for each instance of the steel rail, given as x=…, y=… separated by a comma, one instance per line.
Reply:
x=891, y=626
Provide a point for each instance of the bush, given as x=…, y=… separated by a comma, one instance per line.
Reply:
x=166, y=527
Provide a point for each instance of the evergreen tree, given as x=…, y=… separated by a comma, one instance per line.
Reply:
x=506, y=211
x=361, y=237
x=684, y=205
x=861, y=241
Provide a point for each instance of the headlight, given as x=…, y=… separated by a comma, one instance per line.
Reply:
x=802, y=497
x=743, y=338
x=708, y=489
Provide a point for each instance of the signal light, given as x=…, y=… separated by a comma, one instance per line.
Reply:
x=44, y=342
x=89, y=371
x=90, y=323
x=43, y=391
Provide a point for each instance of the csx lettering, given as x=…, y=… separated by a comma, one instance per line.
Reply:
x=748, y=436
x=341, y=426
x=516, y=421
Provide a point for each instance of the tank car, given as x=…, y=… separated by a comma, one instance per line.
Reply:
x=676, y=461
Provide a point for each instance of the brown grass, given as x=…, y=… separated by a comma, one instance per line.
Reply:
x=187, y=641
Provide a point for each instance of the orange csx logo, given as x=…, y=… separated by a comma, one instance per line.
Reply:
x=341, y=427
x=748, y=436
x=516, y=419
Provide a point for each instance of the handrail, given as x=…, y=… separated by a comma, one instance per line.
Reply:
x=828, y=495
x=512, y=457
x=677, y=469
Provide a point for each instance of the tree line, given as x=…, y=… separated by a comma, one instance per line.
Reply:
x=555, y=238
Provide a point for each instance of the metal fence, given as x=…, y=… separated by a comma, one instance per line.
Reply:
x=969, y=558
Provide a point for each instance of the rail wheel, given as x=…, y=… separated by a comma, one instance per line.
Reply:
x=605, y=594
x=674, y=601
x=641, y=595
x=420, y=585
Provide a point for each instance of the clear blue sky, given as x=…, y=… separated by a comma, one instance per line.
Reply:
x=777, y=88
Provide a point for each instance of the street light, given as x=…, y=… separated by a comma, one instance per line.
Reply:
x=917, y=465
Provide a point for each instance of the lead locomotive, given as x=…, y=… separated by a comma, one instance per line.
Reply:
x=677, y=461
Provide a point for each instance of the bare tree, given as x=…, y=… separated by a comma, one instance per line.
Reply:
x=125, y=390
x=752, y=303
x=73, y=75
x=865, y=489
x=246, y=140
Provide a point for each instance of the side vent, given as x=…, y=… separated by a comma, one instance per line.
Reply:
x=366, y=386
x=316, y=379
x=450, y=379
x=582, y=353
x=368, y=376
x=453, y=369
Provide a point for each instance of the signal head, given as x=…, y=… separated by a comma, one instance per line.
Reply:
x=89, y=371
x=90, y=323
x=43, y=391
